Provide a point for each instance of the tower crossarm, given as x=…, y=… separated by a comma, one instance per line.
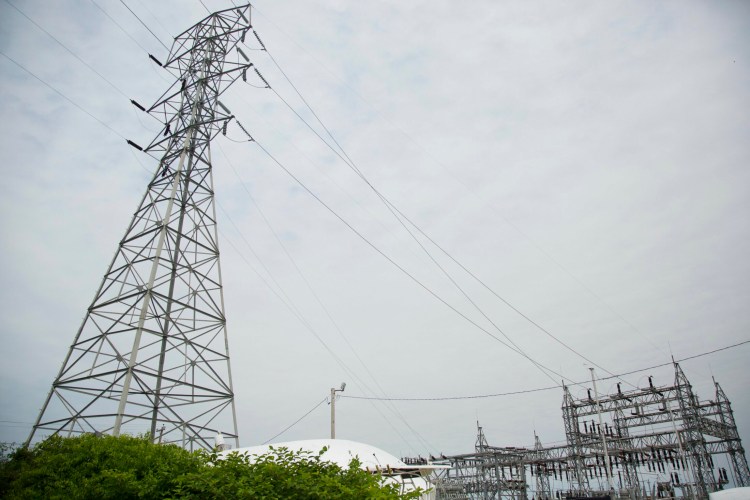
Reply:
x=207, y=61
x=229, y=25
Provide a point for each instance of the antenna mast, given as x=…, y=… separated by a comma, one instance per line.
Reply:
x=152, y=352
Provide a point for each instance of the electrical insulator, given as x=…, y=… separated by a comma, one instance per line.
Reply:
x=155, y=60
x=134, y=103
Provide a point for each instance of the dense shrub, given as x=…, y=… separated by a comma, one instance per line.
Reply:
x=89, y=467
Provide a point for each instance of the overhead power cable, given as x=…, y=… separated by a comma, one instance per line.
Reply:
x=391, y=207
x=119, y=26
x=74, y=54
x=300, y=317
x=293, y=309
x=297, y=313
x=680, y=360
x=456, y=398
x=349, y=163
x=144, y=25
x=144, y=49
x=296, y=421
x=154, y=16
x=402, y=269
x=71, y=101
x=67, y=49
x=467, y=187
x=393, y=262
x=321, y=304
x=498, y=296
x=549, y=388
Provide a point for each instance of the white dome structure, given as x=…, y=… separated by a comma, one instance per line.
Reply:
x=375, y=460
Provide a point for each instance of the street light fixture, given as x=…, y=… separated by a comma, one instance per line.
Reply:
x=333, y=408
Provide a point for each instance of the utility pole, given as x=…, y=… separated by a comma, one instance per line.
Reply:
x=152, y=353
x=602, y=434
x=333, y=408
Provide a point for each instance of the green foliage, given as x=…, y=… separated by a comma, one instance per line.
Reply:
x=6, y=450
x=88, y=467
x=283, y=473
x=96, y=467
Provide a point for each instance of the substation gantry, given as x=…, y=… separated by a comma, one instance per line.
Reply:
x=652, y=442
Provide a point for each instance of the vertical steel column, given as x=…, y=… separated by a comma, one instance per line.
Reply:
x=542, y=477
x=695, y=443
x=737, y=458
x=627, y=445
x=573, y=436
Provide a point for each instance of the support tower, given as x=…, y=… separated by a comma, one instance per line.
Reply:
x=152, y=354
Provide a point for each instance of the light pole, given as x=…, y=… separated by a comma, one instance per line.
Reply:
x=333, y=408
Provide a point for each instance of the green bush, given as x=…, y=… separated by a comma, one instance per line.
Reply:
x=91, y=467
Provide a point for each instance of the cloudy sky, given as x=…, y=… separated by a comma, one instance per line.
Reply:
x=588, y=161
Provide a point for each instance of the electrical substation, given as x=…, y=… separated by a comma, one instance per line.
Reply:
x=660, y=441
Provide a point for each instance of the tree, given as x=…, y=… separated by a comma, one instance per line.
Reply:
x=88, y=467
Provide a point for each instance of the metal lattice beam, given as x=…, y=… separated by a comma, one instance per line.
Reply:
x=692, y=435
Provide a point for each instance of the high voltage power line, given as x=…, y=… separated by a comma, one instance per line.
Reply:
x=399, y=215
x=438, y=162
x=549, y=388
x=510, y=393
x=71, y=101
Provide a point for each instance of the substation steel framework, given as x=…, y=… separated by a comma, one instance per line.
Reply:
x=660, y=442
x=152, y=354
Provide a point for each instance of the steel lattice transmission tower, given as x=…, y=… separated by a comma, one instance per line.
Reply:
x=152, y=353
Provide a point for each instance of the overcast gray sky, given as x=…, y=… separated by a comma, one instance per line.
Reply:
x=587, y=160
